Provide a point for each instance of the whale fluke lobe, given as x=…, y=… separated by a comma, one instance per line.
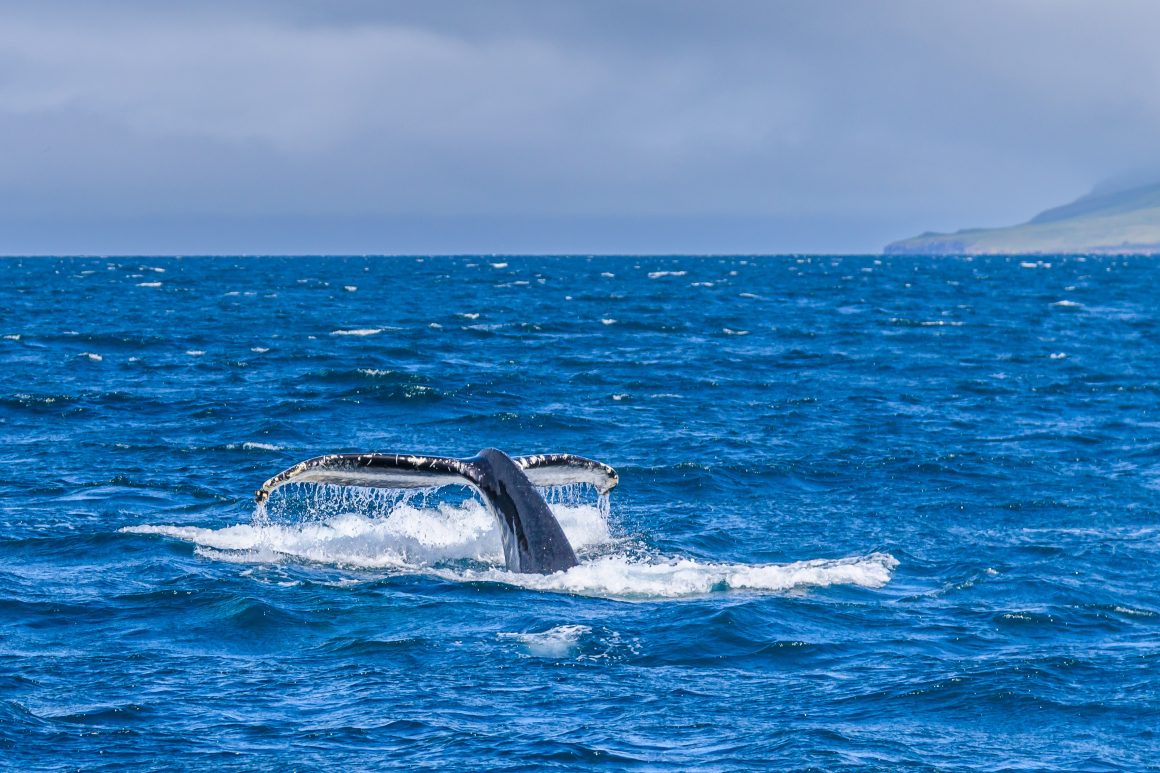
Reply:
x=533, y=541
x=566, y=469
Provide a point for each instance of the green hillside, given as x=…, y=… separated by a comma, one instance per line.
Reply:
x=1125, y=221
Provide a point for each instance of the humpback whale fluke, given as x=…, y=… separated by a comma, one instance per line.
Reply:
x=533, y=541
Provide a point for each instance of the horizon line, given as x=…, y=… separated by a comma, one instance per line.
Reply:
x=37, y=255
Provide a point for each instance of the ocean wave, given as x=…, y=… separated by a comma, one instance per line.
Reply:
x=251, y=445
x=557, y=642
x=358, y=331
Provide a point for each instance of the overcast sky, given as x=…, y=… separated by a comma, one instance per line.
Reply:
x=300, y=126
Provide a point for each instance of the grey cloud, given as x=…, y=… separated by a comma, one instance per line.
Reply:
x=759, y=126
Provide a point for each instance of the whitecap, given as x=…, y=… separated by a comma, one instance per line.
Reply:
x=350, y=288
x=358, y=331
x=558, y=642
x=92, y=356
x=1133, y=612
x=250, y=445
x=659, y=274
x=608, y=321
x=148, y=284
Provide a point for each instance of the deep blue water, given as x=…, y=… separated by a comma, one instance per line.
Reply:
x=964, y=453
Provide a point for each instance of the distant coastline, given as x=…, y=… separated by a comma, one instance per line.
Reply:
x=1118, y=222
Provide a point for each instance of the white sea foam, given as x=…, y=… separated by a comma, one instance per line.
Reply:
x=252, y=446
x=1133, y=612
x=92, y=356
x=148, y=284
x=659, y=274
x=619, y=576
x=1066, y=304
x=608, y=321
x=13, y=337
x=195, y=352
x=259, y=349
x=555, y=642
x=358, y=331
x=440, y=540
x=499, y=265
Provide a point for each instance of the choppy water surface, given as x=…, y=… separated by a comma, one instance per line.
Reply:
x=872, y=514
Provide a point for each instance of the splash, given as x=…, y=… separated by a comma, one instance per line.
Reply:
x=426, y=532
x=623, y=577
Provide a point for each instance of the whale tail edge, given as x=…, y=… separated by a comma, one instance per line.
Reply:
x=533, y=540
x=409, y=471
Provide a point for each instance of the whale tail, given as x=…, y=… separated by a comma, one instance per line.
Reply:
x=533, y=541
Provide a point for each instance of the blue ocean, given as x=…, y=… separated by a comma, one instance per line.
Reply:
x=872, y=514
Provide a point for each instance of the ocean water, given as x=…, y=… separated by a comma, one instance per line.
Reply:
x=894, y=513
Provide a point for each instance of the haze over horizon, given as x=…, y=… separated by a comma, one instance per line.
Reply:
x=597, y=127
